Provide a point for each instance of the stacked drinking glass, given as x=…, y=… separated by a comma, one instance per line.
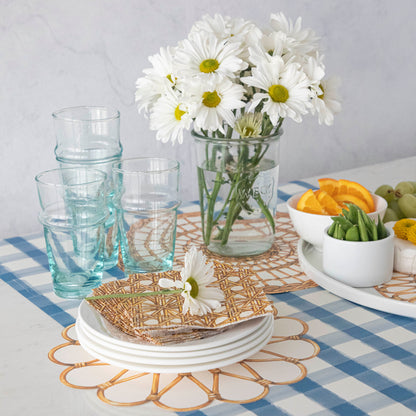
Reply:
x=89, y=137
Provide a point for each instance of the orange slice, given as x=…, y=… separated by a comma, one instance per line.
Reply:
x=354, y=188
x=354, y=200
x=328, y=185
x=328, y=203
x=308, y=202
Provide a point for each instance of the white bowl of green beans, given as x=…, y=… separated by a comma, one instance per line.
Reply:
x=357, y=250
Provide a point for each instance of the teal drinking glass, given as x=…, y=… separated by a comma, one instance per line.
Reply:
x=89, y=137
x=147, y=200
x=73, y=215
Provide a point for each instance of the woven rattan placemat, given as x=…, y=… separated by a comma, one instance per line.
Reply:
x=159, y=318
x=278, y=269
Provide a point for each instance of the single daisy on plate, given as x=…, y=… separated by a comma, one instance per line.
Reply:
x=202, y=54
x=170, y=115
x=328, y=102
x=157, y=79
x=196, y=277
x=284, y=89
x=215, y=101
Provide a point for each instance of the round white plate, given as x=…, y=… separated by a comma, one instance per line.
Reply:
x=98, y=326
x=178, y=368
x=139, y=358
x=310, y=260
x=178, y=354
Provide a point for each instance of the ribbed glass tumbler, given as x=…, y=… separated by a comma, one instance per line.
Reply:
x=89, y=137
x=147, y=201
x=73, y=215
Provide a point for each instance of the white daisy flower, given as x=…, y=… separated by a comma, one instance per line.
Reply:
x=225, y=27
x=272, y=44
x=215, y=101
x=286, y=89
x=315, y=72
x=302, y=41
x=205, y=55
x=196, y=276
x=230, y=29
x=249, y=125
x=170, y=115
x=328, y=103
x=157, y=79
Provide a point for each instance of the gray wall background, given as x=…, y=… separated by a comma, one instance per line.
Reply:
x=55, y=54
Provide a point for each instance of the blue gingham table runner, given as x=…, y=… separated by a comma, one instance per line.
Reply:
x=367, y=363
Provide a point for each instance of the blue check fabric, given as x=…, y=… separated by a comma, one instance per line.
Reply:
x=367, y=363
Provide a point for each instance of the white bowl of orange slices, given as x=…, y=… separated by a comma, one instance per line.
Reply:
x=311, y=211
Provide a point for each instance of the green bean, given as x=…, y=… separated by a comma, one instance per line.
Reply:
x=352, y=234
x=362, y=228
x=352, y=213
x=343, y=222
x=339, y=232
x=374, y=231
x=331, y=229
x=381, y=229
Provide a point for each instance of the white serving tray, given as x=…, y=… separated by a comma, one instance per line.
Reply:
x=310, y=260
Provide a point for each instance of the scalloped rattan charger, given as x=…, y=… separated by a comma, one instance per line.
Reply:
x=280, y=362
x=278, y=270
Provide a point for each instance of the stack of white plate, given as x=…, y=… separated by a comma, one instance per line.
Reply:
x=104, y=342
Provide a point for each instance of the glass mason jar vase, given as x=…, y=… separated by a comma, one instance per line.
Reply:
x=237, y=181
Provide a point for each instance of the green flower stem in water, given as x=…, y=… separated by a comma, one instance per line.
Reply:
x=202, y=186
x=211, y=205
x=265, y=210
x=135, y=295
x=241, y=179
x=242, y=190
x=242, y=193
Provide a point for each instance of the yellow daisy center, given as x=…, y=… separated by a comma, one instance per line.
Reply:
x=179, y=113
x=194, y=287
x=211, y=99
x=209, y=65
x=278, y=93
x=323, y=92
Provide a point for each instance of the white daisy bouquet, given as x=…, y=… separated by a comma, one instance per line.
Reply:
x=231, y=80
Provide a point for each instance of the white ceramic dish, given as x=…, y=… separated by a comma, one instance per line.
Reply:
x=310, y=260
x=404, y=252
x=358, y=263
x=95, y=323
x=139, y=358
x=310, y=227
x=175, y=354
x=202, y=365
